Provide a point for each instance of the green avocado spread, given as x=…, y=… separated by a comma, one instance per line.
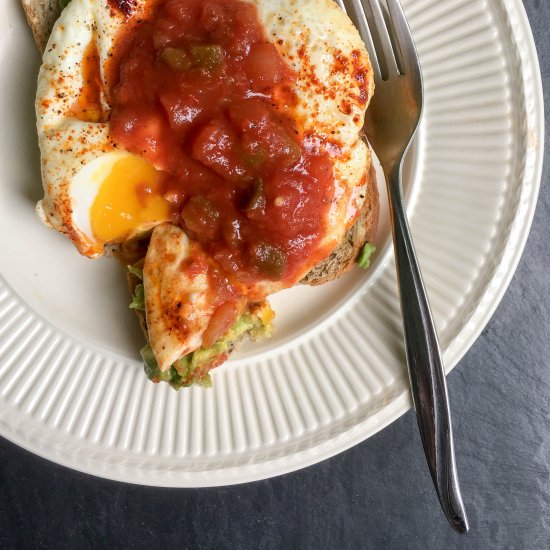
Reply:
x=193, y=368
x=363, y=260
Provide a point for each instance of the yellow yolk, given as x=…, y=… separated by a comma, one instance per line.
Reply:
x=129, y=199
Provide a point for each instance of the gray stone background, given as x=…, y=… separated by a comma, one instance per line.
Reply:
x=378, y=494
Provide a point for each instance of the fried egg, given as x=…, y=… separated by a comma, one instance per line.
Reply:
x=94, y=193
x=314, y=36
x=98, y=195
x=177, y=305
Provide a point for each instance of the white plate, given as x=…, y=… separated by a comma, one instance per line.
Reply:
x=71, y=386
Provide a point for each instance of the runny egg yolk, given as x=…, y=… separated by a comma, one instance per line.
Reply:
x=129, y=200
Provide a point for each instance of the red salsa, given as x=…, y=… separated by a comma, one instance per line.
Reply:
x=202, y=94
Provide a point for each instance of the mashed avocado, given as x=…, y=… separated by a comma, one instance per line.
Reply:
x=363, y=260
x=194, y=367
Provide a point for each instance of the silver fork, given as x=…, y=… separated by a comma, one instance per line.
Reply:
x=392, y=121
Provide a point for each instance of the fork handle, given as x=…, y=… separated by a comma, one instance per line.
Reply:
x=426, y=372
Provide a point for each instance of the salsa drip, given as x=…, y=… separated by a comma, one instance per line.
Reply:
x=202, y=94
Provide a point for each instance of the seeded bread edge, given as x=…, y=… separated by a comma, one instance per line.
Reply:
x=343, y=257
x=41, y=15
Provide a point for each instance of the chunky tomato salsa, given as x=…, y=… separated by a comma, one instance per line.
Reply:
x=202, y=94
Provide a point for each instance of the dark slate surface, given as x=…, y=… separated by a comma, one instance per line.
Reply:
x=376, y=495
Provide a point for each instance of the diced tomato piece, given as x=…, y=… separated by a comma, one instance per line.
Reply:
x=185, y=13
x=229, y=259
x=249, y=114
x=215, y=146
x=222, y=289
x=295, y=200
x=144, y=132
x=165, y=33
x=201, y=216
x=245, y=30
x=232, y=233
x=246, y=20
x=264, y=67
x=215, y=19
x=219, y=324
x=262, y=134
x=182, y=111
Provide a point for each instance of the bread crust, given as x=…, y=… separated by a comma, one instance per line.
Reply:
x=343, y=257
x=41, y=15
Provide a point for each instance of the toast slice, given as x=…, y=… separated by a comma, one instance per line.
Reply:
x=344, y=256
x=41, y=15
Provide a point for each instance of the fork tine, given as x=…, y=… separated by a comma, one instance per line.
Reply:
x=356, y=12
x=389, y=57
x=405, y=42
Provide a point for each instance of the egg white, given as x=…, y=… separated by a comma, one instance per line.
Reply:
x=173, y=296
x=68, y=145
